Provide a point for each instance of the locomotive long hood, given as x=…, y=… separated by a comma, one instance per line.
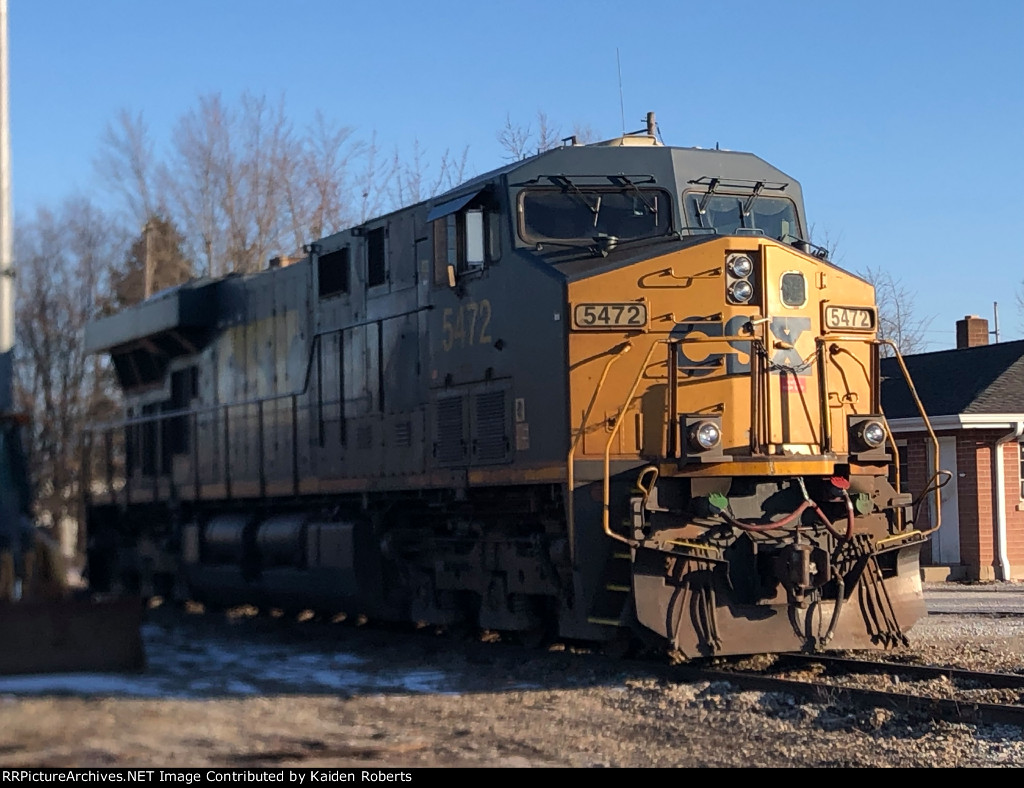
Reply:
x=185, y=311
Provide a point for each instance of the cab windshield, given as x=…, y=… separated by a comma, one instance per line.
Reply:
x=586, y=214
x=774, y=217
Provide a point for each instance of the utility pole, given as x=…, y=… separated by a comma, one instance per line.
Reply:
x=15, y=526
x=147, y=286
x=6, y=232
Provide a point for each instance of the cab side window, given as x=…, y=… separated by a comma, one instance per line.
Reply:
x=465, y=237
x=332, y=272
x=376, y=259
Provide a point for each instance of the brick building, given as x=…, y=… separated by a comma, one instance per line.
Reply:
x=974, y=397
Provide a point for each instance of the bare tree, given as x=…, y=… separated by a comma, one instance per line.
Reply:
x=63, y=258
x=451, y=170
x=225, y=178
x=415, y=179
x=897, y=318
x=1020, y=306
x=829, y=243
x=254, y=205
x=373, y=181
x=584, y=133
x=244, y=187
x=317, y=195
x=515, y=139
x=127, y=164
x=520, y=141
x=193, y=179
x=409, y=184
x=547, y=134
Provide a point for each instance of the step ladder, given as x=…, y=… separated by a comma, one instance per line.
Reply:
x=612, y=598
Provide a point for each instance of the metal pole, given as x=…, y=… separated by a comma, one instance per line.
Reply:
x=6, y=230
x=147, y=288
x=12, y=507
x=995, y=319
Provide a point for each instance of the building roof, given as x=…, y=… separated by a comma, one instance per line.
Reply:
x=975, y=380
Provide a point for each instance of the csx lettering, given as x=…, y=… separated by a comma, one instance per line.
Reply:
x=789, y=330
x=706, y=364
x=468, y=325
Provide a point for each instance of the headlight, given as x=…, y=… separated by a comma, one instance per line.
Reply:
x=740, y=266
x=871, y=434
x=705, y=435
x=741, y=291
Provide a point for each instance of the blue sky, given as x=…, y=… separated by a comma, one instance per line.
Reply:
x=903, y=120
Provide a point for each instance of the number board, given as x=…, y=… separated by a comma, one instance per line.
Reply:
x=850, y=318
x=629, y=315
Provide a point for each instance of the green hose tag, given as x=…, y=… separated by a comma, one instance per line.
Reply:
x=718, y=502
x=862, y=503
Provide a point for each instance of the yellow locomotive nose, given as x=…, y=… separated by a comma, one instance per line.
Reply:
x=751, y=392
x=753, y=335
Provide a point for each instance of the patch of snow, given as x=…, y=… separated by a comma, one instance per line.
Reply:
x=184, y=668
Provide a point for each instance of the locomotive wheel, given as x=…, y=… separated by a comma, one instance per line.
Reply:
x=532, y=638
x=623, y=645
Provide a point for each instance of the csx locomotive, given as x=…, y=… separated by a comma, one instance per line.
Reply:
x=608, y=392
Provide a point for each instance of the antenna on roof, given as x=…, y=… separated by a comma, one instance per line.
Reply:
x=656, y=131
x=622, y=107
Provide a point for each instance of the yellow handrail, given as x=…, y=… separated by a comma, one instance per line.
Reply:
x=611, y=439
x=931, y=433
x=606, y=504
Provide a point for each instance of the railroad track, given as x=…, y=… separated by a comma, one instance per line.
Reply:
x=979, y=613
x=989, y=679
x=820, y=678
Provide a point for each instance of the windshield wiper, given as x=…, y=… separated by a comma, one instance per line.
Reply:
x=652, y=208
x=753, y=196
x=574, y=189
x=702, y=206
x=807, y=247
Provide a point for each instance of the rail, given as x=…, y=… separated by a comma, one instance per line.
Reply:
x=956, y=703
x=140, y=456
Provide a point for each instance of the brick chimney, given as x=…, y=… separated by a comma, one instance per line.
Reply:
x=972, y=331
